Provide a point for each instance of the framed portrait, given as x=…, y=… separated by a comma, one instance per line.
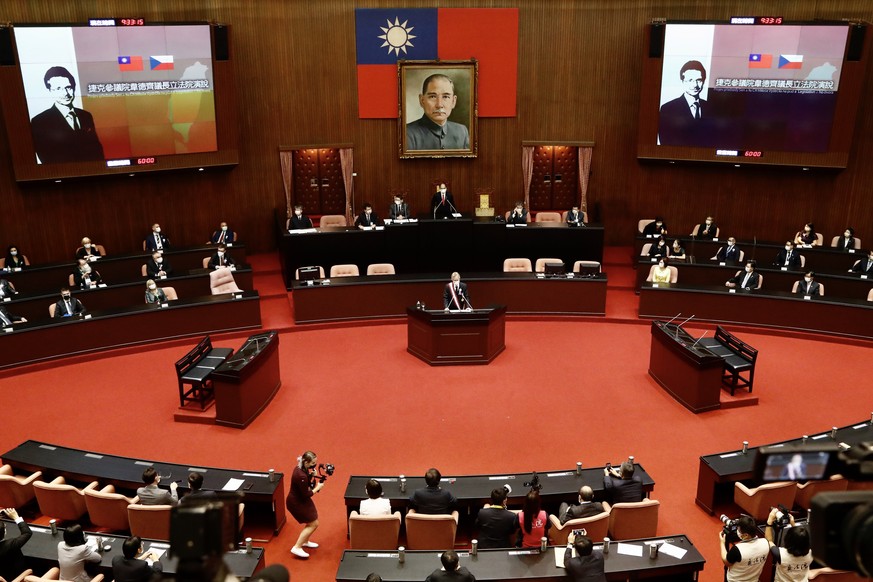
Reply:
x=438, y=109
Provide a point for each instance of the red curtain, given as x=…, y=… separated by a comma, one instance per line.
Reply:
x=585, y=153
x=527, y=154
x=286, y=158
x=347, y=164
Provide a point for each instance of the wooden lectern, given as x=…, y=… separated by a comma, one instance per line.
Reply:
x=246, y=382
x=690, y=373
x=443, y=338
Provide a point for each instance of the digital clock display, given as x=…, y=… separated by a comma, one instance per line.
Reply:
x=145, y=161
x=769, y=20
x=131, y=21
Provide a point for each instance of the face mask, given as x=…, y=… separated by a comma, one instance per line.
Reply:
x=66, y=295
x=88, y=246
x=220, y=254
x=807, y=279
x=806, y=231
x=159, y=260
x=847, y=235
x=787, y=248
x=153, y=287
x=299, y=212
x=397, y=202
x=748, y=269
x=86, y=270
x=224, y=228
x=442, y=190
x=708, y=222
x=158, y=229
x=661, y=265
x=13, y=253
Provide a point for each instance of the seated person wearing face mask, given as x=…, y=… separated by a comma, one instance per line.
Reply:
x=88, y=250
x=746, y=279
x=155, y=240
x=223, y=235
x=153, y=294
x=399, y=210
x=808, y=286
x=788, y=257
x=68, y=306
x=221, y=258
x=85, y=277
x=157, y=266
x=298, y=220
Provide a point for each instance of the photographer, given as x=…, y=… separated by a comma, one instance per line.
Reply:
x=299, y=501
x=744, y=561
x=792, y=560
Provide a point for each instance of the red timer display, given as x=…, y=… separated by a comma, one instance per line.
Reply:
x=751, y=154
x=145, y=161
x=769, y=20
x=131, y=21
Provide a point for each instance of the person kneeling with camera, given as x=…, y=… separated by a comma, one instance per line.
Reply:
x=793, y=558
x=745, y=559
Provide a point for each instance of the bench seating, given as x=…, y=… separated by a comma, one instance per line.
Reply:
x=194, y=369
x=739, y=359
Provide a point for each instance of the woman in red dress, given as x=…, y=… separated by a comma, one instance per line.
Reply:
x=299, y=501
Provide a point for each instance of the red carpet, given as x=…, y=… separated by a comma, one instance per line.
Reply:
x=561, y=392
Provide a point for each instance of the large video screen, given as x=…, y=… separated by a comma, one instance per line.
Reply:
x=741, y=90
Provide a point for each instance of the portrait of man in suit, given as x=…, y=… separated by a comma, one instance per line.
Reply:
x=685, y=121
x=63, y=132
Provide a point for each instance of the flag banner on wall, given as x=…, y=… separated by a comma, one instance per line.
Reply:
x=384, y=36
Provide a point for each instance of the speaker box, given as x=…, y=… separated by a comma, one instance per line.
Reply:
x=222, y=50
x=656, y=40
x=7, y=56
x=856, y=42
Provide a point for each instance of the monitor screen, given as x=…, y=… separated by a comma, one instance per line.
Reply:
x=554, y=269
x=796, y=466
x=308, y=273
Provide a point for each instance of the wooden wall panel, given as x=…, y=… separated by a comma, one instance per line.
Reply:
x=579, y=68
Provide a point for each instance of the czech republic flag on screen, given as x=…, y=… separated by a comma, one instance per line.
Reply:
x=384, y=36
x=790, y=61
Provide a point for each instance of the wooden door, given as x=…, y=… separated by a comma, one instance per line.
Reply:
x=555, y=180
x=318, y=181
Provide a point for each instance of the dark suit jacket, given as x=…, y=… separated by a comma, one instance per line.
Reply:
x=75, y=304
x=713, y=228
x=793, y=262
x=846, y=243
x=582, y=510
x=394, y=213
x=652, y=229
x=216, y=261
x=196, y=496
x=373, y=220
x=440, y=208
x=738, y=280
x=12, y=317
x=724, y=254
x=516, y=219
x=229, y=237
x=460, y=575
x=134, y=570
x=864, y=266
x=55, y=141
x=584, y=568
x=302, y=222
x=497, y=527
x=151, y=246
x=677, y=127
x=432, y=501
x=11, y=559
x=623, y=490
x=813, y=289
x=152, y=268
x=575, y=218
x=463, y=297
x=658, y=251
x=79, y=278
x=83, y=252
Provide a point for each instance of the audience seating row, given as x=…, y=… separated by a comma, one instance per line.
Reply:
x=835, y=241
x=339, y=220
x=519, y=265
x=758, y=501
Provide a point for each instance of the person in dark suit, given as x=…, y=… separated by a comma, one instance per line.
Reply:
x=85, y=277
x=11, y=559
x=14, y=259
x=807, y=237
x=130, y=568
x=788, y=257
x=367, y=218
x=455, y=295
x=157, y=266
x=587, y=507
x=655, y=228
x=497, y=525
x=149, y=494
x=68, y=306
x=399, y=210
x=795, y=470
x=451, y=572
x=587, y=566
x=156, y=241
x=8, y=319
x=847, y=241
x=708, y=229
x=88, y=250
x=195, y=493
x=298, y=220
x=432, y=500
x=64, y=133
x=623, y=486
x=746, y=279
x=659, y=249
x=575, y=217
x=864, y=266
x=223, y=235
x=808, y=285
x=684, y=121
x=7, y=289
x=728, y=254
x=221, y=259
x=442, y=203
x=518, y=214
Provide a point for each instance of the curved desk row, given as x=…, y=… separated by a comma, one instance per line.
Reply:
x=527, y=564
x=718, y=472
x=263, y=497
x=847, y=317
x=389, y=295
x=32, y=342
x=50, y=278
x=439, y=246
x=116, y=296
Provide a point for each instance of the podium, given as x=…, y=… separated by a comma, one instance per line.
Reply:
x=443, y=338
x=246, y=382
x=690, y=373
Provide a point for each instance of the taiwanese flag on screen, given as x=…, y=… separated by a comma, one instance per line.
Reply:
x=790, y=61
x=127, y=63
x=384, y=36
x=760, y=61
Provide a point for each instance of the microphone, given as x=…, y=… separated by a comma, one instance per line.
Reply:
x=467, y=299
x=678, y=327
x=700, y=338
x=452, y=206
x=434, y=211
x=674, y=317
x=754, y=247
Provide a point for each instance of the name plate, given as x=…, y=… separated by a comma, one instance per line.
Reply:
x=862, y=276
x=807, y=297
x=655, y=285
x=163, y=305
x=5, y=299
x=88, y=316
x=7, y=330
x=783, y=269
x=852, y=251
x=732, y=290
x=722, y=264
x=715, y=239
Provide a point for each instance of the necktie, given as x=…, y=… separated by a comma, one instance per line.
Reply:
x=158, y=241
x=74, y=120
x=69, y=308
x=695, y=109
x=746, y=280
x=787, y=257
x=6, y=320
x=221, y=237
x=443, y=201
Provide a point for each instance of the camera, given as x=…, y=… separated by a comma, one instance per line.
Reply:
x=729, y=528
x=325, y=470
x=201, y=533
x=783, y=517
x=534, y=482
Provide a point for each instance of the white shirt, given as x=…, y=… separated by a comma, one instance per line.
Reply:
x=792, y=568
x=379, y=506
x=754, y=554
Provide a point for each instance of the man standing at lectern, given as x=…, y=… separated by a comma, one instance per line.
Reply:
x=455, y=297
x=443, y=203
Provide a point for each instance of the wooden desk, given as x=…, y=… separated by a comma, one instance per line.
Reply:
x=689, y=373
x=389, y=295
x=247, y=381
x=443, y=338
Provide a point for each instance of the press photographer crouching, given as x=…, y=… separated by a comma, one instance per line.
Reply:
x=744, y=559
x=793, y=558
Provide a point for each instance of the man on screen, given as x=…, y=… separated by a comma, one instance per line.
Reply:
x=434, y=131
x=455, y=296
x=684, y=121
x=64, y=133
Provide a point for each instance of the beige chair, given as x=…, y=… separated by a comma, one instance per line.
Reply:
x=145, y=271
x=430, y=532
x=836, y=241
x=149, y=521
x=345, y=271
x=566, y=212
x=797, y=284
x=517, y=266
x=829, y=575
x=380, y=269
x=171, y=294
x=206, y=262
x=870, y=295
x=548, y=217
x=221, y=281
x=758, y=501
x=108, y=509
x=52, y=310
x=596, y=527
x=540, y=266
x=55, y=574
x=641, y=225
x=71, y=281
x=333, y=220
x=16, y=491
x=644, y=252
x=629, y=521
x=699, y=227
x=61, y=501
x=674, y=273
x=577, y=266
x=374, y=532
x=806, y=491
x=802, y=261
x=320, y=273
